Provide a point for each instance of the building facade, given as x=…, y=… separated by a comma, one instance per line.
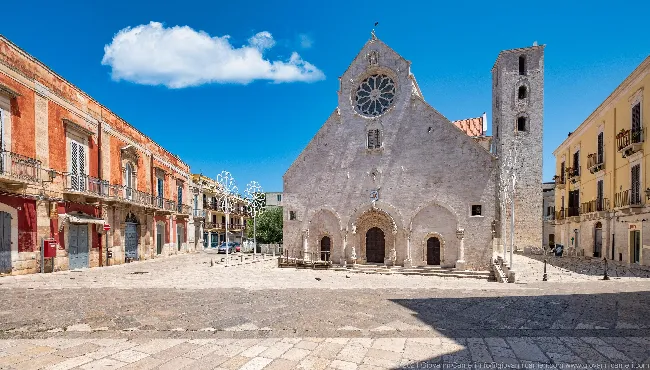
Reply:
x=70, y=166
x=213, y=204
x=603, y=179
x=388, y=179
x=273, y=199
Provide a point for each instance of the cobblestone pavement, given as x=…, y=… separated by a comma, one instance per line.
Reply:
x=596, y=267
x=179, y=312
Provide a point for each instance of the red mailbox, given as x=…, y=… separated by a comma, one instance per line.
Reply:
x=49, y=248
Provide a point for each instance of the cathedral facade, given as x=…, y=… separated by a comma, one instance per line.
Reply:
x=389, y=180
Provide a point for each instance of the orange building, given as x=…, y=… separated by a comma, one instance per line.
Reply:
x=69, y=166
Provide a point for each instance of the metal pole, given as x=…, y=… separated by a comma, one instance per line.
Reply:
x=227, y=216
x=43, y=255
x=545, y=277
x=254, y=237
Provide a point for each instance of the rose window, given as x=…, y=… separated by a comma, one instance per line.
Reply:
x=375, y=95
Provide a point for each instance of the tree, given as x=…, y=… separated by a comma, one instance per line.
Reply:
x=269, y=226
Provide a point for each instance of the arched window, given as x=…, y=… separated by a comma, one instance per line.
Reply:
x=128, y=180
x=522, y=65
x=522, y=93
x=522, y=124
x=374, y=139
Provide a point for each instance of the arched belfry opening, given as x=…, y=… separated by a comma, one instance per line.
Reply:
x=522, y=93
x=522, y=65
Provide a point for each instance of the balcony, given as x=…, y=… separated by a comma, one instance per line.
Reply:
x=84, y=184
x=629, y=142
x=573, y=174
x=628, y=199
x=559, y=215
x=559, y=181
x=169, y=205
x=183, y=209
x=595, y=162
x=198, y=213
x=596, y=205
x=18, y=168
x=573, y=212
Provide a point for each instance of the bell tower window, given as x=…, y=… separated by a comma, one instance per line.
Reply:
x=522, y=93
x=374, y=139
x=522, y=124
x=522, y=65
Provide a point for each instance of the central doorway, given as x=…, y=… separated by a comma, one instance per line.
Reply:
x=375, y=246
x=433, y=251
x=160, y=232
x=131, y=241
x=325, y=248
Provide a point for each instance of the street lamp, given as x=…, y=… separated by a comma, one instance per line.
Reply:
x=255, y=205
x=228, y=188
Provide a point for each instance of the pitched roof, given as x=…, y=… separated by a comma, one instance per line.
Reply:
x=471, y=126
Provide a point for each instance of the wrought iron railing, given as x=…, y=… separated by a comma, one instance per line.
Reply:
x=199, y=213
x=573, y=211
x=625, y=138
x=20, y=167
x=627, y=198
x=560, y=215
x=169, y=205
x=595, y=162
x=559, y=180
x=596, y=205
x=85, y=184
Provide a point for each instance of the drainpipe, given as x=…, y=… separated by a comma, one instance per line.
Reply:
x=613, y=189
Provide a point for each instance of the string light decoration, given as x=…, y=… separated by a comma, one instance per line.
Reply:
x=255, y=205
x=228, y=189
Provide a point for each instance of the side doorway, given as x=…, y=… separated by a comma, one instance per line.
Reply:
x=160, y=237
x=433, y=251
x=78, y=246
x=598, y=240
x=5, y=243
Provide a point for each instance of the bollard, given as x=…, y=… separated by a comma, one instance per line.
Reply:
x=211, y=263
x=605, y=277
x=241, y=258
x=545, y=277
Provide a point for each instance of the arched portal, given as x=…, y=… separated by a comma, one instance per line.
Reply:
x=325, y=248
x=598, y=239
x=433, y=251
x=375, y=245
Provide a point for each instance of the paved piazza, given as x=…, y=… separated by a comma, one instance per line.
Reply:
x=180, y=312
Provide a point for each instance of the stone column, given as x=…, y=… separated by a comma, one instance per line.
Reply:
x=305, y=243
x=345, y=245
x=460, y=264
x=408, y=262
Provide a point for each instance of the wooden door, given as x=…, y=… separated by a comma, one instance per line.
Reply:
x=5, y=243
x=78, y=248
x=433, y=251
x=598, y=242
x=375, y=246
x=131, y=241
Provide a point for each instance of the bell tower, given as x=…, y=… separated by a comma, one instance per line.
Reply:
x=517, y=127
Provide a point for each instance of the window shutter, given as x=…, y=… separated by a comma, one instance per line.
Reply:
x=600, y=148
x=371, y=139
x=636, y=117
x=377, y=139
x=636, y=184
x=74, y=165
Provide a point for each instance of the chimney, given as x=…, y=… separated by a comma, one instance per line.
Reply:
x=484, y=123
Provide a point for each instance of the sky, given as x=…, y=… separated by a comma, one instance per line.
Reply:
x=243, y=86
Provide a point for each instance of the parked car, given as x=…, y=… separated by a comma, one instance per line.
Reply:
x=222, y=248
x=237, y=247
x=214, y=244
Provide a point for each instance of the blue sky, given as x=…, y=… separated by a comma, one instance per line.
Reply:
x=255, y=122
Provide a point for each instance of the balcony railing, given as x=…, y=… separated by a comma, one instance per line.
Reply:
x=629, y=141
x=626, y=198
x=596, y=205
x=573, y=211
x=184, y=209
x=85, y=184
x=595, y=162
x=559, y=181
x=560, y=215
x=169, y=205
x=199, y=213
x=20, y=167
x=573, y=174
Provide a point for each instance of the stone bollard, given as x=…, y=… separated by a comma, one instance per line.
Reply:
x=241, y=258
x=545, y=278
x=606, y=276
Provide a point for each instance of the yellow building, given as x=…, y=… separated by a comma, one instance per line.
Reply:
x=603, y=177
x=214, y=226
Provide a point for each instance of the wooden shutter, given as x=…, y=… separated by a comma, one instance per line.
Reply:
x=636, y=117
x=599, y=205
x=371, y=139
x=636, y=184
x=576, y=163
x=600, y=148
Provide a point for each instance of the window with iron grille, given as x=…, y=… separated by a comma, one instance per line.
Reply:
x=637, y=131
x=77, y=166
x=635, y=196
x=374, y=139
x=576, y=163
x=600, y=148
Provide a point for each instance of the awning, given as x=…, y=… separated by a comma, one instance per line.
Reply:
x=78, y=219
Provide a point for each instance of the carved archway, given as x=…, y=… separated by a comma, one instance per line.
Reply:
x=374, y=219
x=424, y=246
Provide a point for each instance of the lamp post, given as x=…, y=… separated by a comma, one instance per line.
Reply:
x=228, y=188
x=255, y=204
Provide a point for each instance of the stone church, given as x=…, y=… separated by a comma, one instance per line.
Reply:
x=389, y=180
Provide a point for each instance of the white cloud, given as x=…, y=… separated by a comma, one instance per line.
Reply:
x=305, y=41
x=179, y=56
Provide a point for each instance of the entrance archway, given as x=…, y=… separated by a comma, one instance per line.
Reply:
x=375, y=245
x=433, y=251
x=598, y=239
x=325, y=248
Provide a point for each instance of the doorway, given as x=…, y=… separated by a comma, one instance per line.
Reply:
x=325, y=248
x=131, y=241
x=635, y=246
x=433, y=251
x=179, y=236
x=5, y=242
x=598, y=240
x=160, y=232
x=375, y=246
x=78, y=246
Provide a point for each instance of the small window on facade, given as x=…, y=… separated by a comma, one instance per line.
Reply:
x=636, y=118
x=522, y=94
x=279, y=197
x=374, y=139
x=292, y=215
x=576, y=163
x=522, y=124
x=601, y=153
x=476, y=210
x=522, y=65
x=223, y=219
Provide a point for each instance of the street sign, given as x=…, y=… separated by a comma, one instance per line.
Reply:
x=107, y=227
